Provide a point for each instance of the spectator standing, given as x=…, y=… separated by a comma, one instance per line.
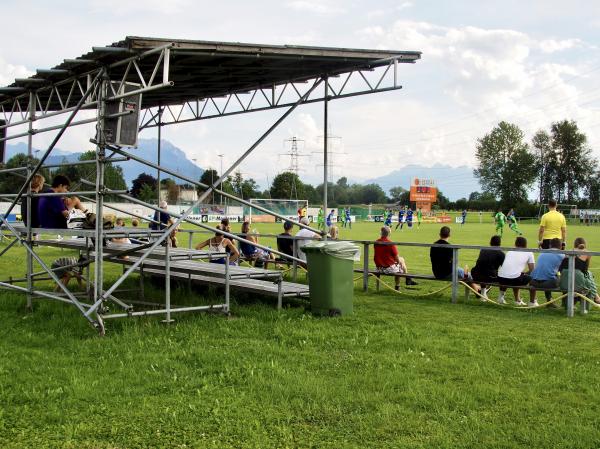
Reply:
x=511, y=272
x=161, y=218
x=552, y=226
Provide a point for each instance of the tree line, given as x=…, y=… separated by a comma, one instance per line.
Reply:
x=558, y=162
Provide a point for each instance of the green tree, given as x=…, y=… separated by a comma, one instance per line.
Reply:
x=147, y=193
x=208, y=177
x=287, y=185
x=546, y=165
x=396, y=193
x=372, y=193
x=139, y=183
x=574, y=157
x=11, y=182
x=505, y=164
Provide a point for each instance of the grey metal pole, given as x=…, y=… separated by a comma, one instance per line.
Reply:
x=168, y=282
x=100, y=153
x=454, y=275
x=190, y=238
x=365, y=266
x=325, y=139
x=88, y=290
x=571, y=287
x=227, y=283
x=29, y=214
x=294, y=262
x=160, y=113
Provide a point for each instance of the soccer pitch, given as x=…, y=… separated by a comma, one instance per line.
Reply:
x=402, y=371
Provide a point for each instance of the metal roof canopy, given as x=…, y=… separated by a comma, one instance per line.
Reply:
x=199, y=69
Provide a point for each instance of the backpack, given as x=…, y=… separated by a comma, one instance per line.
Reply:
x=90, y=221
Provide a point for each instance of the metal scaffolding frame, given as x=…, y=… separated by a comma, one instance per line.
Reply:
x=180, y=81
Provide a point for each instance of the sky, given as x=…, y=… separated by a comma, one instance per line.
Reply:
x=531, y=63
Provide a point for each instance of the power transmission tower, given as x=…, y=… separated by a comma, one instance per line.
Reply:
x=294, y=166
x=331, y=154
x=294, y=154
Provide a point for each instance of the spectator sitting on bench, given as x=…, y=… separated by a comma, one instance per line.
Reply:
x=66, y=268
x=511, y=271
x=37, y=186
x=54, y=210
x=441, y=258
x=218, y=244
x=285, y=242
x=135, y=222
x=304, y=234
x=387, y=259
x=333, y=233
x=486, y=267
x=250, y=251
x=120, y=225
x=584, y=279
x=545, y=273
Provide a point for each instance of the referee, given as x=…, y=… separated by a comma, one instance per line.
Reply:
x=552, y=226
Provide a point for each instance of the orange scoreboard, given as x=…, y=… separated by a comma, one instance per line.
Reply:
x=423, y=192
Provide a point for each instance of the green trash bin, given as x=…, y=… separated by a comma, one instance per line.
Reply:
x=330, y=272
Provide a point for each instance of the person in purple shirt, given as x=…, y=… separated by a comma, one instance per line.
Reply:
x=52, y=210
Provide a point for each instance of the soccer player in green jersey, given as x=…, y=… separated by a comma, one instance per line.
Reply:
x=320, y=219
x=499, y=219
x=419, y=217
x=512, y=222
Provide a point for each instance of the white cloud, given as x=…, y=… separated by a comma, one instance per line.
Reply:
x=404, y=5
x=320, y=7
x=121, y=8
x=553, y=45
x=8, y=72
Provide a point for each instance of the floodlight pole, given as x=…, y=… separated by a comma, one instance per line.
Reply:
x=325, y=138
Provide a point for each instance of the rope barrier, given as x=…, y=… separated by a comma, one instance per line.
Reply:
x=399, y=292
x=486, y=299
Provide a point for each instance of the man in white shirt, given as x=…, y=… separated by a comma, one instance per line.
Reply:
x=307, y=234
x=511, y=272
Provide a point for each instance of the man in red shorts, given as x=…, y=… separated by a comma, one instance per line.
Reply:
x=387, y=259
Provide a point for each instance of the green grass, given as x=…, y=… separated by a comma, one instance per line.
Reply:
x=400, y=372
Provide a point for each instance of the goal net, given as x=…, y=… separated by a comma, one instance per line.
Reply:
x=288, y=208
x=568, y=210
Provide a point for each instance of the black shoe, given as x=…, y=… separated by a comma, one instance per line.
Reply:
x=397, y=288
x=409, y=281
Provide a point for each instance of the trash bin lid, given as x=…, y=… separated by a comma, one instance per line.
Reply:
x=340, y=250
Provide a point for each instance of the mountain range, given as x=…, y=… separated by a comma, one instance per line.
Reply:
x=453, y=182
x=171, y=157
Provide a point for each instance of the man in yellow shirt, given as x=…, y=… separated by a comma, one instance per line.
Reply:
x=553, y=225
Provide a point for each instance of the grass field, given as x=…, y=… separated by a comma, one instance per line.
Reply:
x=401, y=372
